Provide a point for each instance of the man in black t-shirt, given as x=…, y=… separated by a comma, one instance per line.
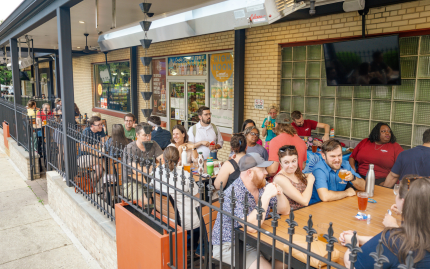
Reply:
x=413, y=161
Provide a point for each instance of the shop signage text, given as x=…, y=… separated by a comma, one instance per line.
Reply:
x=259, y=104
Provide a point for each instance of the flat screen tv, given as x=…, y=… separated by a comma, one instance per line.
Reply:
x=362, y=62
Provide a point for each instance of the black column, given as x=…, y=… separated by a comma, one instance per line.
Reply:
x=15, y=78
x=133, y=81
x=37, y=78
x=33, y=93
x=239, y=79
x=57, y=76
x=66, y=78
x=50, y=83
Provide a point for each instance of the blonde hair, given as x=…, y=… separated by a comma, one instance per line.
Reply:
x=273, y=106
x=98, y=114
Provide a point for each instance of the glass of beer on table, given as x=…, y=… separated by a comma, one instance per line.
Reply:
x=362, y=200
x=314, y=148
x=343, y=173
x=322, y=229
x=187, y=167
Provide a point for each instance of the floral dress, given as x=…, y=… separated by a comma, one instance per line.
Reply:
x=300, y=187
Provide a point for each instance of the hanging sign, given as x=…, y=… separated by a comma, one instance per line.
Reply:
x=194, y=65
x=159, y=87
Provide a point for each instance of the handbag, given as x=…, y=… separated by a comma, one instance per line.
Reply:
x=317, y=247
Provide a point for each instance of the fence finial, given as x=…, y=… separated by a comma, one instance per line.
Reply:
x=409, y=261
x=378, y=257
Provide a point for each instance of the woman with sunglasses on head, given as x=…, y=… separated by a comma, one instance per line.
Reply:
x=412, y=235
x=297, y=187
x=252, y=135
x=229, y=172
x=249, y=123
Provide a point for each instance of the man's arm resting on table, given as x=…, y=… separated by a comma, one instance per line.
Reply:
x=390, y=180
x=326, y=195
x=359, y=184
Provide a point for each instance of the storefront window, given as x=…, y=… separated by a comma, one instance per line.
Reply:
x=222, y=91
x=112, y=86
x=193, y=65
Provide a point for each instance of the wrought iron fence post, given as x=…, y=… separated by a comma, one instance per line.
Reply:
x=232, y=206
x=191, y=185
x=260, y=211
x=275, y=216
x=221, y=202
x=330, y=241
x=245, y=214
x=409, y=261
x=309, y=238
x=291, y=230
x=210, y=188
x=378, y=257
x=354, y=249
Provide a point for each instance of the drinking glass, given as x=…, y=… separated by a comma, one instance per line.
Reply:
x=322, y=229
x=396, y=189
x=342, y=174
x=187, y=167
x=362, y=200
x=314, y=148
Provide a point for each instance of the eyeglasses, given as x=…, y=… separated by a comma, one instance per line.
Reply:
x=98, y=125
x=285, y=148
x=254, y=134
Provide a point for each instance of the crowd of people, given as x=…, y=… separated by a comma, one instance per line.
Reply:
x=274, y=172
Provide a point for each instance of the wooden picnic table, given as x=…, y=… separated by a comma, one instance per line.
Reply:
x=341, y=213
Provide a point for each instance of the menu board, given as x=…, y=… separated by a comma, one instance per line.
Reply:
x=194, y=65
x=159, y=87
x=221, y=89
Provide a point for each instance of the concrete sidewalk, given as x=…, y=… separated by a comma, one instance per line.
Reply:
x=29, y=235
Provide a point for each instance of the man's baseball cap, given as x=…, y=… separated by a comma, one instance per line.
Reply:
x=283, y=118
x=251, y=160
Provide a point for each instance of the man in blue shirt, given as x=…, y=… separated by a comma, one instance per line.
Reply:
x=413, y=161
x=328, y=186
x=159, y=135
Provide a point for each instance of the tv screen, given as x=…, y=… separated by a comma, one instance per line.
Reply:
x=367, y=61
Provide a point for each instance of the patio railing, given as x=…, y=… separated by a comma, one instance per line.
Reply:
x=108, y=174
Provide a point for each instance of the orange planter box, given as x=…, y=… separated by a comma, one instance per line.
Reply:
x=6, y=134
x=141, y=246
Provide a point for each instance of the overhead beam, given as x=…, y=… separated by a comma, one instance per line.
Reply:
x=66, y=81
x=36, y=14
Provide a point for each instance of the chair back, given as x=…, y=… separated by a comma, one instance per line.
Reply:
x=206, y=212
x=167, y=206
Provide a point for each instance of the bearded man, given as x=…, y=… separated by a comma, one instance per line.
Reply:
x=328, y=185
x=251, y=183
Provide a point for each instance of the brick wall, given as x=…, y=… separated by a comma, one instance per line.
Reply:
x=83, y=81
x=93, y=229
x=263, y=50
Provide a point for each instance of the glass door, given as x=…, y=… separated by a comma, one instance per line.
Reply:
x=177, y=103
x=185, y=98
x=196, y=93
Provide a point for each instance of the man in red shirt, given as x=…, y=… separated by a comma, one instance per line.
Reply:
x=304, y=127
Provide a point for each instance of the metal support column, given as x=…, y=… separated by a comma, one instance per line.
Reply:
x=37, y=78
x=15, y=79
x=33, y=93
x=57, y=76
x=239, y=79
x=133, y=81
x=66, y=77
x=50, y=82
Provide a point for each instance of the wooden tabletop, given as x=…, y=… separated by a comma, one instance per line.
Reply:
x=341, y=213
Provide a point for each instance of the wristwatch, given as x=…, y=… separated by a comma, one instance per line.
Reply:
x=353, y=179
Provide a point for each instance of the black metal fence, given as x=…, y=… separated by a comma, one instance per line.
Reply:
x=21, y=129
x=174, y=201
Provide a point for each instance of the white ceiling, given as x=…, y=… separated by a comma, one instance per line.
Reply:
x=127, y=11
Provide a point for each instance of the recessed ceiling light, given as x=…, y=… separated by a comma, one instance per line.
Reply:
x=81, y=22
x=78, y=47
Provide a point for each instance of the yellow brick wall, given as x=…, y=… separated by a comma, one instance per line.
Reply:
x=263, y=50
x=83, y=81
